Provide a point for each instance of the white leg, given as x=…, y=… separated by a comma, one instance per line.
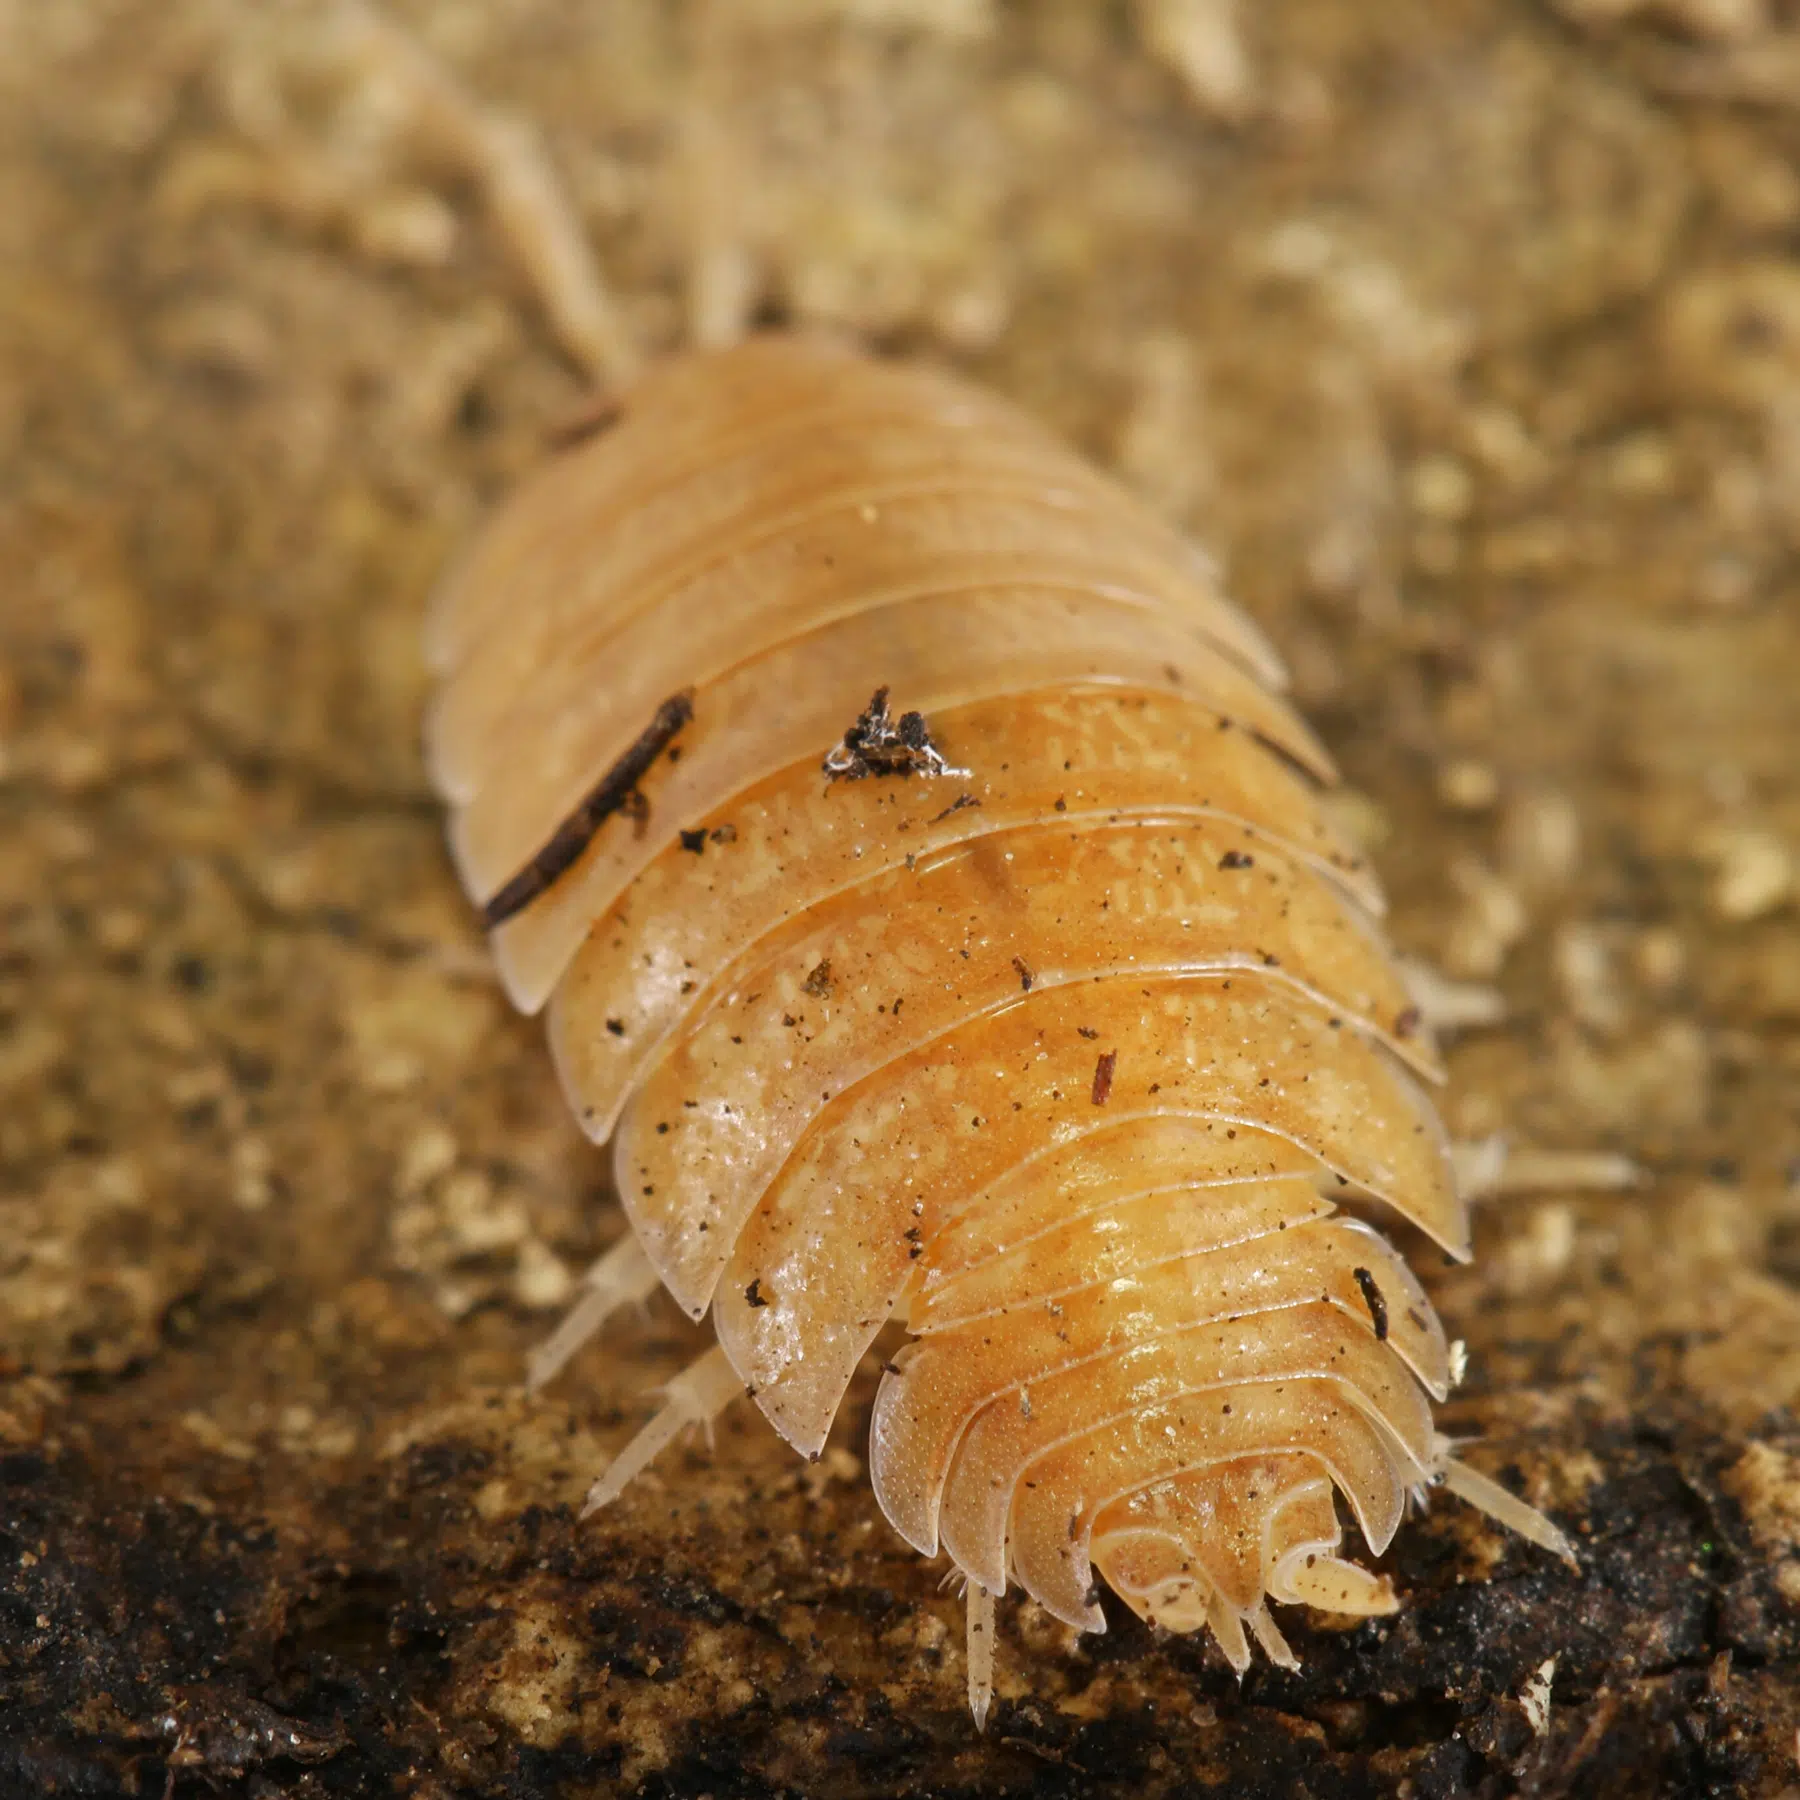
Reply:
x=1447, y=1005
x=1490, y=1169
x=1488, y=1496
x=980, y=1652
x=1275, y=1646
x=621, y=1276
x=1228, y=1630
x=695, y=1397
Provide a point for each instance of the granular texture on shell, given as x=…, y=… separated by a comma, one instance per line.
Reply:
x=1057, y=1031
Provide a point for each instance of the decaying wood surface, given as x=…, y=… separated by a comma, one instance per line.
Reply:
x=1467, y=332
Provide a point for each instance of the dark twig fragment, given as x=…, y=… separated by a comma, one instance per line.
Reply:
x=1377, y=1302
x=614, y=793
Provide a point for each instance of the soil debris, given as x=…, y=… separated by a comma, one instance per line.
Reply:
x=880, y=744
x=1375, y=1300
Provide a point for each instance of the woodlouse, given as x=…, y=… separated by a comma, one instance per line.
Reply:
x=1048, y=1014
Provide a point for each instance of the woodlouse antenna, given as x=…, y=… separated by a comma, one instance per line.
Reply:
x=695, y=1397
x=623, y=1275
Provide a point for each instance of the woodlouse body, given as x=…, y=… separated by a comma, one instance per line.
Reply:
x=1061, y=1055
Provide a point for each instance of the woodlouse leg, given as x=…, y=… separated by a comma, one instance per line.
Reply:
x=1489, y=1168
x=1504, y=1508
x=696, y=1397
x=1275, y=1647
x=621, y=1276
x=1446, y=1005
x=1227, y=1625
x=980, y=1639
x=1479, y=1164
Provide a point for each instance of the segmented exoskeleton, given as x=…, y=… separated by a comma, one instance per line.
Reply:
x=1034, y=1000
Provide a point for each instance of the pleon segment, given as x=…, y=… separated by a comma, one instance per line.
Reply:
x=835, y=1245
x=1280, y=1354
x=1219, y=1522
x=1116, y=1244
x=938, y=1385
x=1058, y=1496
x=1211, y=1545
x=1114, y=1162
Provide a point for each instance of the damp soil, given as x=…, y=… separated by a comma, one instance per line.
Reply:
x=1466, y=333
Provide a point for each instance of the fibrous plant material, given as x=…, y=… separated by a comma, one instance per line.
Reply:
x=1060, y=1073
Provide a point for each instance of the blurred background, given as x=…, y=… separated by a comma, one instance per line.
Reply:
x=1465, y=332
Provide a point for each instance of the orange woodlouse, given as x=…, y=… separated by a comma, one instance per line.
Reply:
x=1048, y=1015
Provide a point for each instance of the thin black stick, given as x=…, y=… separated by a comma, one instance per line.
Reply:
x=576, y=832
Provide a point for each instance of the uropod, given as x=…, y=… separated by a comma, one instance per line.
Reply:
x=934, y=908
